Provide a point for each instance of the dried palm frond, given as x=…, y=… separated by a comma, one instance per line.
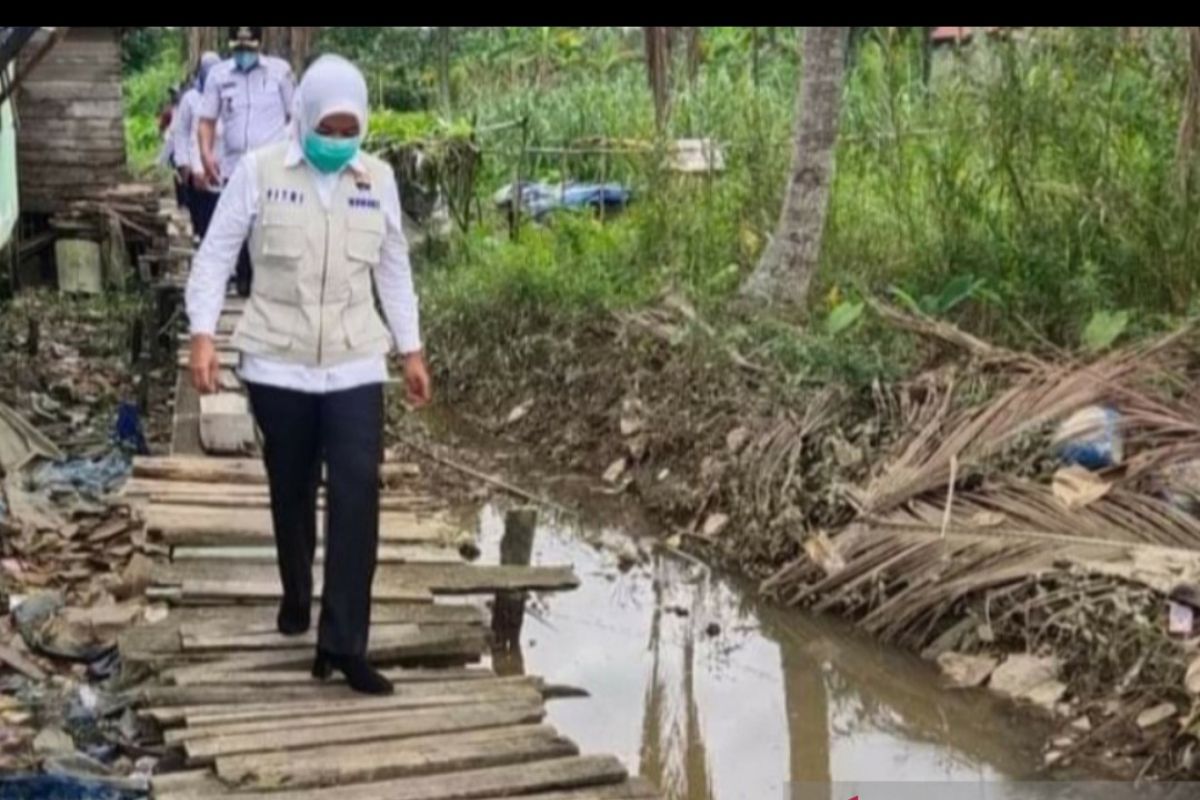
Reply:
x=1044, y=395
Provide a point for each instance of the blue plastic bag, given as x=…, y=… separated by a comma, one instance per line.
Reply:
x=60, y=787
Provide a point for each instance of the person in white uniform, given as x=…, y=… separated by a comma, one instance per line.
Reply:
x=185, y=145
x=251, y=94
x=323, y=220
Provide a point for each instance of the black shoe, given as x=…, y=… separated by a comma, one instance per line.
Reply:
x=360, y=675
x=294, y=620
x=243, y=285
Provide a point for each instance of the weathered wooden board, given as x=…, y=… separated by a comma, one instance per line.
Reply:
x=266, y=554
x=418, y=722
x=431, y=692
x=234, y=470
x=373, y=761
x=187, y=525
x=382, y=637
x=440, y=644
x=399, y=707
x=440, y=578
x=266, y=590
x=576, y=772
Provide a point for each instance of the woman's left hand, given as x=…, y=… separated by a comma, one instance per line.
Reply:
x=416, y=380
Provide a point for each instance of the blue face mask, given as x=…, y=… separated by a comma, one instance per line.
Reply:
x=245, y=59
x=329, y=153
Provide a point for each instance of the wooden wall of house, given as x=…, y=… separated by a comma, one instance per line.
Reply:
x=71, y=131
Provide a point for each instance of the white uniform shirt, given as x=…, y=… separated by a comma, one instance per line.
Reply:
x=252, y=107
x=217, y=258
x=184, y=128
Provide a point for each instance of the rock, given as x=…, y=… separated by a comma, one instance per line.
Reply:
x=712, y=629
x=1062, y=741
x=519, y=412
x=678, y=611
x=736, y=439
x=615, y=470
x=1082, y=724
x=713, y=525
x=662, y=474
x=53, y=740
x=1052, y=757
x=156, y=613
x=1047, y=695
x=74, y=763
x=1021, y=677
x=966, y=670
x=1156, y=714
x=632, y=416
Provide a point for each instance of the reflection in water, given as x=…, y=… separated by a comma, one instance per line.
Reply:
x=713, y=696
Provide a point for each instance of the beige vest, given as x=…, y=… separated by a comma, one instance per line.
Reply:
x=312, y=300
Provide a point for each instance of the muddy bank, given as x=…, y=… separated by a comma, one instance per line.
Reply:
x=837, y=497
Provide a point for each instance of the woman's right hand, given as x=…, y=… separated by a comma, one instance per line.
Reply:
x=206, y=369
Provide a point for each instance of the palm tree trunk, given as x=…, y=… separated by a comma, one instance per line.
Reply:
x=786, y=268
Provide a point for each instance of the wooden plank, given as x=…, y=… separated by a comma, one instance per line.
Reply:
x=185, y=425
x=172, y=705
x=198, y=526
x=429, y=644
x=443, y=692
x=36, y=91
x=262, y=499
x=225, y=358
x=237, y=495
x=233, y=470
x=632, y=789
x=99, y=157
x=440, y=578
x=201, y=591
x=576, y=772
x=165, y=635
x=266, y=554
x=401, y=707
x=326, y=766
x=382, y=638
x=419, y=722
x=69, y=109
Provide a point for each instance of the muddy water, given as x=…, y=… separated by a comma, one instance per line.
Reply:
x=712, y=695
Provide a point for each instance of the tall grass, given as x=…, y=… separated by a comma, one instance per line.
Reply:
x=1031, y=181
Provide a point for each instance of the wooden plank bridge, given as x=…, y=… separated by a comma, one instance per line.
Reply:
x=233, y=700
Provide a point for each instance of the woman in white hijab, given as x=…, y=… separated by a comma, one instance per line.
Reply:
x=323, y=220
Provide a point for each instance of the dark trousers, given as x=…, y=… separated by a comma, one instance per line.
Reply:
x=202, y=203
x=343, y=430
x=182, y=190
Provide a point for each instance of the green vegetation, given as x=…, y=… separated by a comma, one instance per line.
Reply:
x=1029, y=188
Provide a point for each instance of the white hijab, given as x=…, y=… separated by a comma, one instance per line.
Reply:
x=331, y=85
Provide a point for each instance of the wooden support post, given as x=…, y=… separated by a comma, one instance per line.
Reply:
x=508, y=609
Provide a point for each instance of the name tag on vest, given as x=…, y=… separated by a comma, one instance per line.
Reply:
x=289, y=196
x=364, y=203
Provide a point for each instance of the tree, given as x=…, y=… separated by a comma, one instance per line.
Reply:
x=1189, y=123
x=658, y=65
x=786, y=268
x=443, y=69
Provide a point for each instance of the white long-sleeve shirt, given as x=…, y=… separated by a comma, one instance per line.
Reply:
x=184, y=128
x=253, y=105
x=216, y=260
